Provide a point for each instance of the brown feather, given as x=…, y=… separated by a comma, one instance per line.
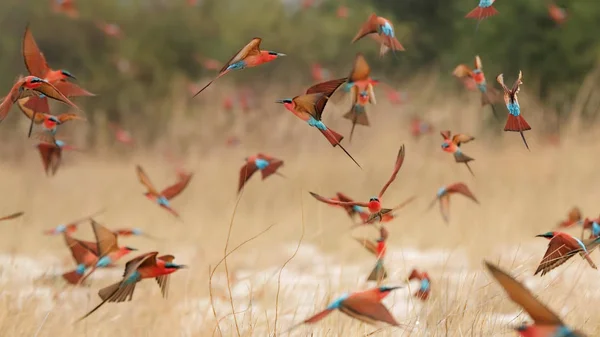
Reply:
x=252, y=48
x=461, y=188
x=245, y=173
x=144, y=180
x=360, y=70
x=35, y=62
x=367, y=28
x=175, y=189
x=105, y=238
x=397, y=166
x=12, y=216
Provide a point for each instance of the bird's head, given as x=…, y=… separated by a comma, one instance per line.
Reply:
x=287, y=102
x=171, y=265
x=548, y=235
x=374, y=199
x=521, y=328
x=271, y=55
x=33, y=79
x=54, y=119
x=67, y=74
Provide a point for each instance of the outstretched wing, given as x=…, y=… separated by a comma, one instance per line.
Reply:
x=517, y=292
x=558, y=252
x=500, y=80
x=461, y=188
x=337, y=202
x=446, y=134
x=105, y=238
x=71, y=89
x=308, y=104
x=367, y=310
x=69, y=117
x=399, y=161
x=367, y=28
x=516, y=86
x=28, y=112
x=478, y=64
x=35, y=62
x=360, y=70
x=49, y=90
x=252, y=48
x=175, y=189
x=163, y=281
x=462, y=71
x=245, y=173
x=327, y=88
x=144, y=180
x=460, y=138
x=12, y=216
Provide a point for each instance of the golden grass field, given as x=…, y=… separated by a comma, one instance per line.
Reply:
x=521, y=193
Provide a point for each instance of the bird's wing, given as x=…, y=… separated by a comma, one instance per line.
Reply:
x=90, y=246
x=368, y=244
x=245, y=173
x=55, y=159
x=337, y=202
x=144, y=260
x=500, y=80
x=558, y=252
x=105, y=238
x=175, y=189
x=163, y=281
x=12, y=216
x=367, y=309
x=28, y=112
x=69, y=117
x=45, y=152
x=445, y=207
x=50, y=90
x=360, y=70
x=398, y=165
x=517, y=85
x=478, y=64
x=460, y=138
x=367, y=28
x=144, y=180
x=462, y=71
x=78, y=251
x=35, y=62
x=575, y=214
x=71, y=89
x=308, y=104
x=461, y=188
x=327, y=88
x=522, y=296
x=446, y=134
x=252, y=48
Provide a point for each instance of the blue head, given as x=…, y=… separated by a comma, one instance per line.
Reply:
x=373, y=199
x=337, y=303
x=284, y=101
x=67, y=74
x=36, y=80
x=261, y=164
x=387, y=289
x=54, y=119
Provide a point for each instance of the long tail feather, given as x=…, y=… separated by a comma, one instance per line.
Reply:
x=31, y=124
x=355, y=162
x=352, y=130
x=524, y=140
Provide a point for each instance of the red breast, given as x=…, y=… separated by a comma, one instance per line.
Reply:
x=374, y=206
x=479, y=78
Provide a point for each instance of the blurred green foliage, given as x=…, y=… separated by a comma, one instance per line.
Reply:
x=162, y=39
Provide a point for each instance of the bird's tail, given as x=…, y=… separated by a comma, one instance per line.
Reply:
x=378, y=273
x=517, y=124
x=481, y=13
x=267, y=171
x=422, y=294
x=587, y=257
x=333, y=137
x=73, y=277
x=462, y=158
x=358, y=115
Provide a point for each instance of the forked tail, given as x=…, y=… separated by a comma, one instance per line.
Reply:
x=72, y=277
x=378, y=274
x=333, y=137
x=517, y=124
x=358, y=115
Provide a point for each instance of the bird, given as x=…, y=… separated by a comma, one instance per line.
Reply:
x=111, y=30
x=515, y=121
x=267, y=166
x=485, y=9
x=109, y=251
x=419, y=127
x=557, y=14
x=377, y=248
x=132, y=231
x=425, y=284
x=592, y=224
x=374, y=203
x=31, y=85
x=51, y=155
x=249, y=56
x=162, y=198
x=145, y=266
x=309, y=108
x=443, y=196
x=85, y=255
x=384, y=30
x=360, y=84
x=66, y=7
x=546, y=322
x=562, y=247
x=364, y=306
x=48, y=121
x=488, y=94
x=121, y=135
x=573, y=218
x=71, y=227
x=12, y=216
x=452, y=145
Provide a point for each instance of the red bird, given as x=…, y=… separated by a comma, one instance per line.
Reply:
x=557, y=14
x=562, y=247
x=51, y=155
x=383, y=31
x=452, y=145
x=148, y=265
x=419, y=127
x=515, y=121
x=121, y=135
x=70, y=227
x=162, y=198
x=110, y=29
x=443, y=196
x=374, y=204
x=378, y=248
x=573, y=218
x=267, y=166
x=352, y=211
x=342, y=12
x=85, y=255
x=424, y=287
x=48, y=121
x=66, y=7
x=485, y=9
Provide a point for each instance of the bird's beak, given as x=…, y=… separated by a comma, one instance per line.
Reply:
x=281, y=54
x=181, y=266
x=280, y=101
x=72, y=77
x=394, y=288
x=540, y=236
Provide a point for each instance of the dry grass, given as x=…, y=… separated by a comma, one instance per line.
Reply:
x=522, y=194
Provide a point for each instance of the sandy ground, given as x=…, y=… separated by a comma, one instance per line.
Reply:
x=522, y=194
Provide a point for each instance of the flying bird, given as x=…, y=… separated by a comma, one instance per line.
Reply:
x=592, y=224
x=452, y=145
x=377, y=248
x=85, y=255
x=110, y=29
x=485, y=9
x=546, y=322
x=573, y=218
x=121, y=135
x=488, y=94
x=557, y=14
x=109, y=251
x=425, y=284
x=66, y=7
x=71, y=227
x=360, y=84
x=384, y=30
x=419, y=127
x=145, y=266
x=48, y=121
x=267, y=166
x=443, y=196
x=562, y=247
x=364, y=306
x=515, y=121
x=162, y=198
x=31, y=85
x=249, y=56
x=51, y=155
x=309, y=108
x=374, y=203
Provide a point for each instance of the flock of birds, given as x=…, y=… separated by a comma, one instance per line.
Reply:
x=32, y=93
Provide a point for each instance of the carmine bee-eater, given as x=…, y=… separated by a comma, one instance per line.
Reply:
x=319, y=74
x=48, y=121
x=309, y=108
x=71, y=227
x=51, y=155
x=247, y=57
x=573, y=218
x=419, y=127
x=545, y=322
x=145, y=266
x=485, y=9
x=425, y=284
x=31, y=85
x=85, y=255
x=452, y=145
x=515, y=121
x=374, y=204
x=562, y=247
x=489, y=95
x=12, y=216
x=66, y=7
x=162, y=198
x=121, y=135
x=385, y=31
x=110, y=29
x=364, y=306
x=592, y=224
x=267, y=166
x=360, y=84
x=557, y=14
x=377, y=248
x=109, y=251
x=443, y=196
